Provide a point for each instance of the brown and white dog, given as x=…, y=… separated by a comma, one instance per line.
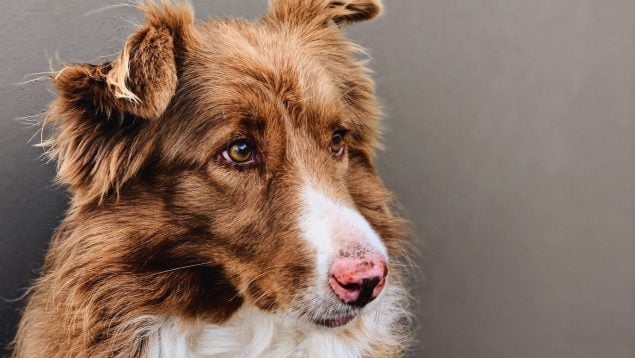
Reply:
x=224, y=197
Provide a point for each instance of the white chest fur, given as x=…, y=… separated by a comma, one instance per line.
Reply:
x=253, y=333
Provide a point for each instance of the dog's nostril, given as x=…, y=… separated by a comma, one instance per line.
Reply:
x=370, y=284
x=351, y=286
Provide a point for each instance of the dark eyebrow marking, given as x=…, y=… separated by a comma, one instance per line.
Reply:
x=252, y=123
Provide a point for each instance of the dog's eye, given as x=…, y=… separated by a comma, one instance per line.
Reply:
x=337, y=143
x=240, y=151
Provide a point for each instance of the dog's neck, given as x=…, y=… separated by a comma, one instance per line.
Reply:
x=254, y=333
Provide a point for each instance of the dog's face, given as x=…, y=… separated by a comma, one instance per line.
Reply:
x=256, y=138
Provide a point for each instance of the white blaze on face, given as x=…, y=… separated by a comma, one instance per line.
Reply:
x=330, y=226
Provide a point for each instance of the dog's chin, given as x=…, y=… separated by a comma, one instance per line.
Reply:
x=335, y=321
x=329, y=312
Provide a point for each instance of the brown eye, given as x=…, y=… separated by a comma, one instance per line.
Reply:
x=239, y=152
x=337, y=143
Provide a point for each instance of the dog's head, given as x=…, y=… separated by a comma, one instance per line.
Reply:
x=251, y=144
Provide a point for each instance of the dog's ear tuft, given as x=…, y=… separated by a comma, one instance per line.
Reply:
x=354, y=10
x=99, y=116
x=324, y=11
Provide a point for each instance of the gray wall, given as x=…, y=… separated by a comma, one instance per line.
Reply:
x=510, y=142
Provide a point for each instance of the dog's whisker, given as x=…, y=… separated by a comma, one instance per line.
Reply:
x=33, y=80
x=109, y=7
x=182, y=268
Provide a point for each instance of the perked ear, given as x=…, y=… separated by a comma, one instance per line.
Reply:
x=324, y=11
x=100, y=110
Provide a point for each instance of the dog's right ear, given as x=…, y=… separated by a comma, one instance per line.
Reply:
x=142, y=80
x=96, y=118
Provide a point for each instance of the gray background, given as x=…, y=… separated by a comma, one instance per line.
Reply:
x=510, y=143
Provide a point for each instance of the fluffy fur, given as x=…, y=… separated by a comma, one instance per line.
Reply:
x=167, y=249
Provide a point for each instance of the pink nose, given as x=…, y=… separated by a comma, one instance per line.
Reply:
x=357, y=281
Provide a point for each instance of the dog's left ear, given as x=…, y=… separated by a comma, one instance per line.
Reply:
x=324, y=11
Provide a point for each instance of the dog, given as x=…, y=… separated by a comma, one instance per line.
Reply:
x=223, y=195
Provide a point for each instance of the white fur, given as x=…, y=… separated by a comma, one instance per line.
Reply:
x=169, y=341
x=329, y=226
x=162, y=337
x=253, y=333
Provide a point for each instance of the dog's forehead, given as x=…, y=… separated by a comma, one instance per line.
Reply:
x=236, y=59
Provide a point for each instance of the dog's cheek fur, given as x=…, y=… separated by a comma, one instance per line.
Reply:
x=249, y=230
x=261, y=242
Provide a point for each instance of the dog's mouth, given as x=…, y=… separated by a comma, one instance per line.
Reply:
x=336, y=321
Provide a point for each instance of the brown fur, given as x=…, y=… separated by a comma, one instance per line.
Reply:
x=159, y=223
